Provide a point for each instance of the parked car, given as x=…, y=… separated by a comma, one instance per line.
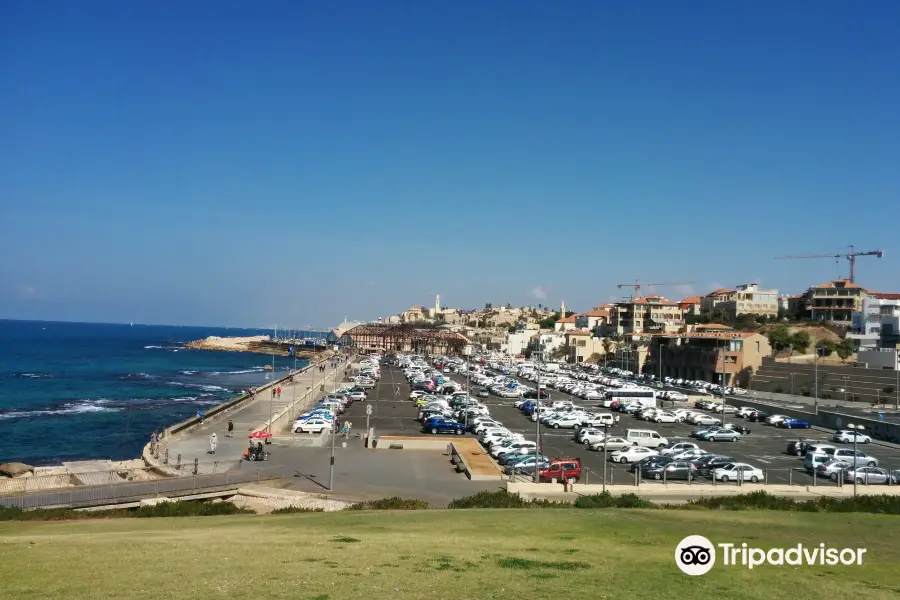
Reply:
x=797, y=447
x=312, y=425
x=738, y=472
x=868, y=476
x=562, y=469
x=708, y=465
x=847, y=436
x=611, y=444
x=631, y=454
x=855, y=457
x=673, y=470
x=442, y=425
x=832, y=469
x=794, y=424
x=720, y=435
x=757, y=416
x=679, y=447
x=650, y=461
x=707, y=420
x=737, y=427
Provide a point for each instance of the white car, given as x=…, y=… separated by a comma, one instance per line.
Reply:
x=313, y=425
x=679, y=447
x=567, y=421
x=688, y=454
x=845, y=436
x=518, y=447
x=724, y=408
x=480, y=427
x=738, y=472
x=706, y=420
x=677, y=396
x=745, y=411
x=593, y=436
x=357, y=396
x=665, y=417
x=611, y=444
x=633, y=454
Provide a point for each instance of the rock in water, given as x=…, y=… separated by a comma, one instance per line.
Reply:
x=15, y=469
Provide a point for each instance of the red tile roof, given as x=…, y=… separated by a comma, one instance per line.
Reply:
x=888, y=296
x=712, y=326
x=691, y=300
x=569, y=319
x=656, y=300
x=597, y=312
x=843, y=283
x=718, y=292
x=578, y=332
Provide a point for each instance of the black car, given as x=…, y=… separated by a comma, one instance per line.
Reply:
x=797, y=448
x=757, y=416
x=650, y=461
x=716, y=462
x=533, y=394
x=681, y=469
x=737, y=427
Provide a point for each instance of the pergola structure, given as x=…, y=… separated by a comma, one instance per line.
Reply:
x=417, y=339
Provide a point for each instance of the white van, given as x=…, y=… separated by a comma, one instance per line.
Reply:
x=646, y=438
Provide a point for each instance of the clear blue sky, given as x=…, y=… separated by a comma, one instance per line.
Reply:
x=254, y=163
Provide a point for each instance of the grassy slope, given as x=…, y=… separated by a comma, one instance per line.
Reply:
x=435, y=554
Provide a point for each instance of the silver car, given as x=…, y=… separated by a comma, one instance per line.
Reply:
x=868, y=475
x=832, y=469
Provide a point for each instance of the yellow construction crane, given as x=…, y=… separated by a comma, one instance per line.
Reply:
x=850, y=256
x=637, y=285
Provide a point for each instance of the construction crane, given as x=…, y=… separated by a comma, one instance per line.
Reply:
x=850, y=256
x=637, y=285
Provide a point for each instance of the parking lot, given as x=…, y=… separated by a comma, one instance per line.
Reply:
x=765, y=447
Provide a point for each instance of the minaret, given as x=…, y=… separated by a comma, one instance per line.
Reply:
x=437, y=304
x=562, y=310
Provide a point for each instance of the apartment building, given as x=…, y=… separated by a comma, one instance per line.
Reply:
x=834, y=301
x=565, y=323
x=582, y=345
x=593, y=319
x=711, y=354
x=690, y=306
x=649, y=314
x=877, y=324
x=746, y=299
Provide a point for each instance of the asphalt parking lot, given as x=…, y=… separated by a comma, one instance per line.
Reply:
x=765, y=447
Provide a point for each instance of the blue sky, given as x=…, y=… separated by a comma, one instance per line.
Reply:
x=293, y=163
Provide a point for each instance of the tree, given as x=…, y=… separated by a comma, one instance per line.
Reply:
x=826, y=346
x=780, y=338
x=488, y=306
x=799, y=341
x=844, y=349
x=594, y=358
x=607, y=346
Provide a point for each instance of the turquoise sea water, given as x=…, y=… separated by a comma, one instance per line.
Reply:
x=72, y=391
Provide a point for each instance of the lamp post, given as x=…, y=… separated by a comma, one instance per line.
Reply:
x=792, y=385
x=856, y=428
x=816, y=380
x=605, y=457
x=537, y=431
x=331, y=464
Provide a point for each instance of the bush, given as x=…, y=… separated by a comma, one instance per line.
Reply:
x=188, y=508
x=287, y=510
x=882, y=504
x=607, y=500
x=393, y=503
x=502, y=499
x=758, y=500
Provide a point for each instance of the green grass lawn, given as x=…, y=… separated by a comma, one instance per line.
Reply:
x=471, y=554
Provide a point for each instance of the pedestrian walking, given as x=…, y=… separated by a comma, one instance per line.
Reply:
x=279, y=392
x=213, y=442
x=230, y=429
x=273, y=392
x=154, y=440
x=349, y=428
x=200, y=416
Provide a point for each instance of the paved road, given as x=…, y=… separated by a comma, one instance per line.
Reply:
x=250, y=416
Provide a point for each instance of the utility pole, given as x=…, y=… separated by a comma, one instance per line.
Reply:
x=816, y=382
x=331, y=464
x=537, y=431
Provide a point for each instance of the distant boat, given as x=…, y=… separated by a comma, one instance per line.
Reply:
x=132, y=323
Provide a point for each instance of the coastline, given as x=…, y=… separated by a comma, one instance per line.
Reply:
x=257, y=344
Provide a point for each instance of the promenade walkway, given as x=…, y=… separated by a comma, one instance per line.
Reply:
x=251, y=415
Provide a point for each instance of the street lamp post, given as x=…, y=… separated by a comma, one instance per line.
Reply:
x=816, y=379
x=331, y=464
x=537, y=431
x=856, y=428
x=605, y=457
x=792, y=385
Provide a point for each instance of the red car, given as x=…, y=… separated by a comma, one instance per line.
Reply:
x=562, y=469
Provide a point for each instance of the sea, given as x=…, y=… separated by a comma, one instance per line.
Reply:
x=80, y=391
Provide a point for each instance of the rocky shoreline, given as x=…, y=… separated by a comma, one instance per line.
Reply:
x=259, y=344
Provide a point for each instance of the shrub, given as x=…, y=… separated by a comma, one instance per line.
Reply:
x=758, y=500
x=286, y=510
x=193, y=508
x=393, y=503
x=502, y=499
x=607, y=500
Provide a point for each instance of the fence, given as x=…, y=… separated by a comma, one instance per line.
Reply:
x=619, y=475
x=138, y=490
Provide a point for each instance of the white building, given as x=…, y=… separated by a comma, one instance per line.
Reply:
x=877, y=325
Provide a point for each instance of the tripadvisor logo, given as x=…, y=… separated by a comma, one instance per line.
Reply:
x=696, y=555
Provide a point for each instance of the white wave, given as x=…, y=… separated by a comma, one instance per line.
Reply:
x=189, y=372
x=199, y=386
x=153, y=347
x=34, y=375
x=241, y=372
x=72, y=408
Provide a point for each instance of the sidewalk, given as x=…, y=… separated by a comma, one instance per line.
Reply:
x=253, y=415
